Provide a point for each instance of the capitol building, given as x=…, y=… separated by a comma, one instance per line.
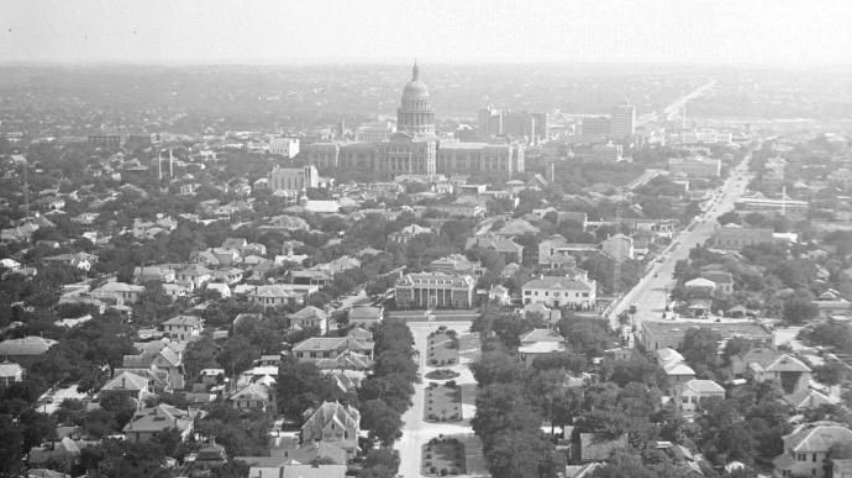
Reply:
x=414, y=149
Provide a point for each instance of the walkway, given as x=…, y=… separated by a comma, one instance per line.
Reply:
x=416, y=432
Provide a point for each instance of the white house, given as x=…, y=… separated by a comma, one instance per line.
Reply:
x=576, y=293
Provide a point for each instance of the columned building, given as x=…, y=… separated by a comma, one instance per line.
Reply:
x=435, y=290
x=415, y=115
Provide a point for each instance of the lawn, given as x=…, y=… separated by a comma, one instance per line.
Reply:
x=442, y=374
x=443, y=457
x=443, y=402
x=443, y=348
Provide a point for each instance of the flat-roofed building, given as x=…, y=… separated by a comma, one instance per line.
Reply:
x=480, y=158
x=660, y=335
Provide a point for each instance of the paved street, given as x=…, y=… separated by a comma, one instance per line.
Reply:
x=416, y=431
x=651, y=292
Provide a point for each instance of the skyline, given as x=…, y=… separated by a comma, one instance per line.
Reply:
x=759, y=33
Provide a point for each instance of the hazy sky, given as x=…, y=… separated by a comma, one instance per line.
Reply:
x=276, y=31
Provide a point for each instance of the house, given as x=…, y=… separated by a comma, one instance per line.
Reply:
x=147, y=422
x=295, y=469
x=619, y=246
x=576, y=293
x=184, y=327
x=145, y=274
x=62, y=453
x=10, y=373
x=806, y=449
x=318, y=348
x=175, y=291
x=508, y=249
x=676, y=368
x=700, y=287
x=194, y=274
x=309, y=317
x=724, y=281
x=118, y=293
x=311, y=277
x=597, y=447
x=456, y=264
x=689, y=394
x=333, y=423
x=254, y=396
x=130, y=385
x=79, y=260
x=221, y=288
x=500, y=294
x=763, y=364
x=540, y=343
x=408, y=233
x=158, y=361
x=278, y=295
x=556, y=245
x=809, y=400
x=25, y=351
x=365, y=316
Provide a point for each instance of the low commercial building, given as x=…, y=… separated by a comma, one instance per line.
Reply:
x=435, y=290
x=659, y=335
x=736, y=238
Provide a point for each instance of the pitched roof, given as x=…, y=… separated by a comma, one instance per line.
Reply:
x=309, y=312
x=254, y=391
x=559, y=283
x=159, y=418
x=817, y=437
x=809, y=399
x=541, y=335
x=126, y=381
x=10, y=369
x=703, y=386
x=26, y=346
x=184, y=320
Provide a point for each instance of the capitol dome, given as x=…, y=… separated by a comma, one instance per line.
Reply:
x=415, y=113
x=415, y=90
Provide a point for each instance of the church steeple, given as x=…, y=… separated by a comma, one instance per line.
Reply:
x=415, y=72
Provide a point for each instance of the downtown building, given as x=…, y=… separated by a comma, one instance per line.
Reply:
x=414, y=149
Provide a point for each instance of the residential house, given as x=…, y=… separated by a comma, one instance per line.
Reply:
x=365, y=316
x=10, y=373
x=688, y=395
x=184, y=327
x=79, y=260
x=148, y=422
x=806, y=449
x=508, y=249
x=333, y=423
x=724, y=281
x=540, y=343
x=118, y=293
x=159, y=362
x=309, y=317
x=194, y=274
x=763, y=364
x=499, y=294
x=456, y=264
x=408, y=233
x=130, y=385
x=700, y=287
x=806, y=399
x=161, y=274
x=257, y=395
x=25, y=351
x=619, y=246
x=573, y=292
x=676, y=368
x=295, y=469
x=278, y=295
x=317, y=348
x=311, y=277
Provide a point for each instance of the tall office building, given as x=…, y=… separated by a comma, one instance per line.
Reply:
x=623, y=120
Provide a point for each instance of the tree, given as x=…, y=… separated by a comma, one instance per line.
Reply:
x=382, y=421
x=831, y=373
x=11, y=446
x=730, y=217
x=497, y=367
x=700, y=346
x=300, y=386
x=799, y=310
x=521, y=454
